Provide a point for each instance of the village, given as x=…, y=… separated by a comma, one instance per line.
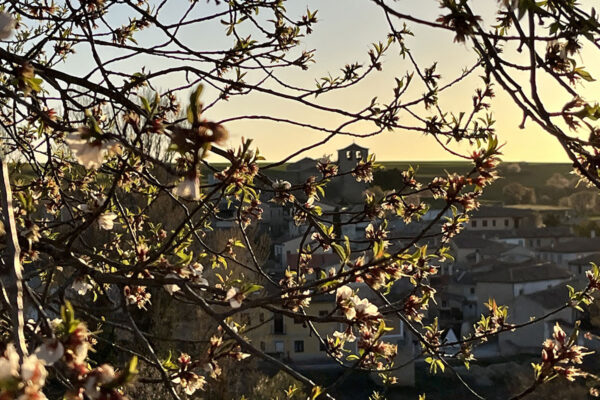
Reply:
x=505, y=253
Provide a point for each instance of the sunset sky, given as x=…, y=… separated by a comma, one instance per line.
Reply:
x=343, y=35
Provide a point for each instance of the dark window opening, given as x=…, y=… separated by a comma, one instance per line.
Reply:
x=299, y=346
x=278, y=323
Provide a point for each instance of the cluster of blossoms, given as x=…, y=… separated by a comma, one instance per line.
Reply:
x=21, y=382
x=327, y=168
x=186, y=378
x=90, y=147
x=366, y=320
x=559, y=355
x=293, y=299
x=354, y=308
x=185, y=371
x=251, y=211
x=68, y=351
x=282, y=193
x=242, y=171
x=363, y=172
x=106, y=219
x=137, y=295
x=192, y=273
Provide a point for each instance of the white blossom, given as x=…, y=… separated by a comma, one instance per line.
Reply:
x=189, y=189
x=98, y=377
x=281, y=185
x=235, y=297
x=81, y=286
x=171, y=287
x=106, y=220
x=33, y=371
x=7, y=25
x=9, y=363
x=88, y=151
x=343, y=293
x=50, y=351
x=365, y=308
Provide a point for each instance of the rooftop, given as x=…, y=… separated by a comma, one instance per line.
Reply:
x=553, y=232
x=577, y=245
x=551, y=298
x=585, y=261
x=526, y=272
x=353, y=146
x=499, y=212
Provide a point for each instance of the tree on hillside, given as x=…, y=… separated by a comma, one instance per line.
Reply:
x=515, y=193
x=98, y=220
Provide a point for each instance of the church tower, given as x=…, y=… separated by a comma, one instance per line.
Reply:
x=348, y=157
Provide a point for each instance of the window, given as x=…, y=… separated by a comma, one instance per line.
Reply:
x=322, y=346
x=278, y=324
x=349, y=155
x=279, y=346
x=521, y=291
x=493, y=222
x=580, y=270
x=299, y=346
x=263, y=346
x=506, y=222
x=401, y=332
x=537, y=242
x=472, y=290
x=444, y=304
x=474, y=224
x=358, y=155
x=484, y=223
x=245, y=319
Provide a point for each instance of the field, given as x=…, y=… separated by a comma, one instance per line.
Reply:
x=534, y=175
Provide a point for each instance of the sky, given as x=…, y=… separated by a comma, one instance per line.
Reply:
x=343, y=35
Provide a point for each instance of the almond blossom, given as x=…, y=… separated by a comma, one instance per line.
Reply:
x=190, y=382
x=282, y=194
x=106, y=220
x=81, y=286
x=189, y=188
x=50, y=351
x=89, y=151
x=21, y=382
x=9, y=363
x=96, y=378
x=7, y=25
x=171, y=287
x=235, y=297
